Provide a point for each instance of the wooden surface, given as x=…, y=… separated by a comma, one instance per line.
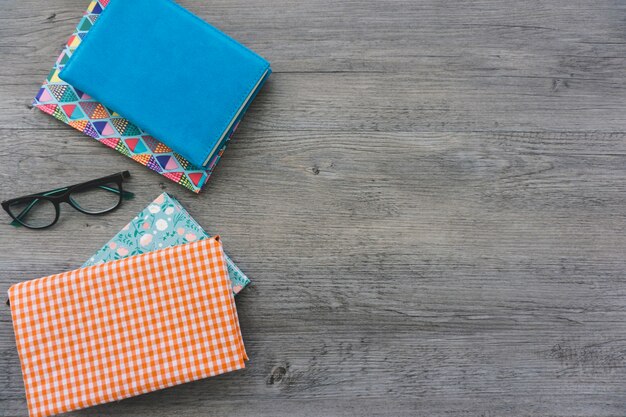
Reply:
x=429, y=198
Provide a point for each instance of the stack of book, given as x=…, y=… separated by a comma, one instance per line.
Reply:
x=156, y=83
x=152, y=308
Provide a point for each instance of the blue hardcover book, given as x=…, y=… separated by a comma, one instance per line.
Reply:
x=169, y=72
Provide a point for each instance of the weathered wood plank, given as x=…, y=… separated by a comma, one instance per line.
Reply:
x=358, y=102
x=409, y=66
x=366, y=35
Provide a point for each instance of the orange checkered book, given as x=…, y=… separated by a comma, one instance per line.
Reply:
x=127, y=327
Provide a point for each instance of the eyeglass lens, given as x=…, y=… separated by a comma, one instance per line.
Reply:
x=34, y=212
x=96, y=200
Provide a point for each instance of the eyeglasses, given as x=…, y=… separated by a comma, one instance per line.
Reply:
x=95, y=197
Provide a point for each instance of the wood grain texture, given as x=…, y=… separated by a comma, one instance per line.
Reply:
x=428, y=196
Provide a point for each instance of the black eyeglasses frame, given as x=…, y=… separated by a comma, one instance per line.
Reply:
x=63, y=195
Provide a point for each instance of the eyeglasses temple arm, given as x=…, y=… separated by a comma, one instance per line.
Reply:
x=127, y=195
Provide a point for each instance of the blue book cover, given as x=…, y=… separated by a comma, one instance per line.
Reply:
x=169, y=72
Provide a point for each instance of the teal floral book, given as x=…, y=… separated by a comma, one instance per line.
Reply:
x=164, y=223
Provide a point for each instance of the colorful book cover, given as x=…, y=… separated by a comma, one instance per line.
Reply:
x=164, y=223
x=77, y=109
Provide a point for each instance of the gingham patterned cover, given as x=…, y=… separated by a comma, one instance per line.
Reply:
x=127, y=327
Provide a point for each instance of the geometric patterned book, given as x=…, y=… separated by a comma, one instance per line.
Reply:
x=164, y=223
x=77, y=109
x=124, y=328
